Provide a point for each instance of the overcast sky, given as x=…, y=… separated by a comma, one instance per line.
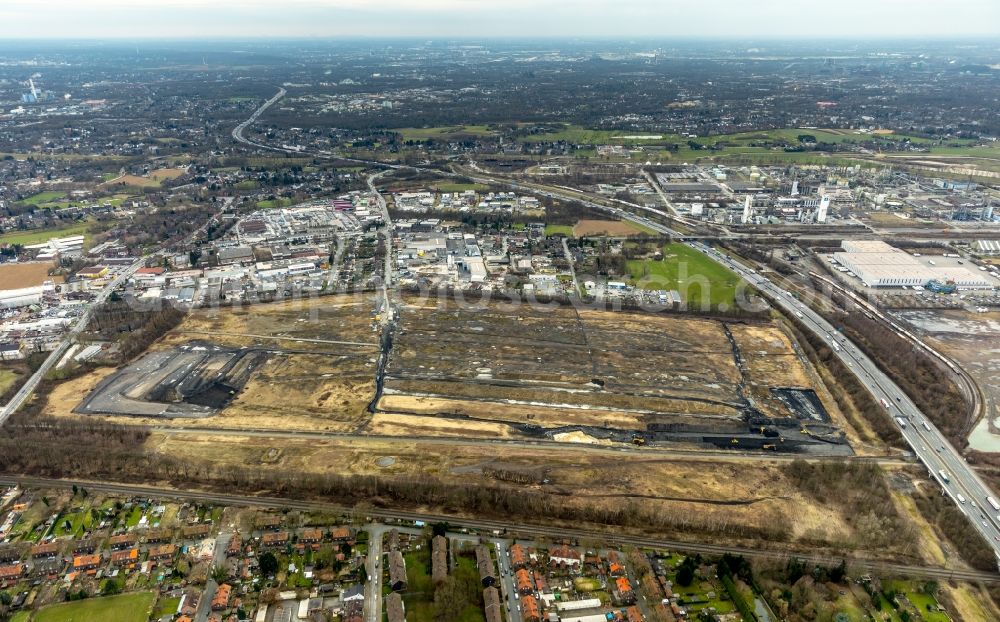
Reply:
x=134, y=19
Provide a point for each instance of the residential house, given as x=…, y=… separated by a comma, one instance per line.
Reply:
x=397, y=571
x=268, y=523
x=221, y=599
x=46, y=550
x=518, y=556
x=235, y=546
x=439, y=559
x=487, y=571
x=529, y=609
x=123, y=541
x=523, y=582
x=196, y=531
x=189, y=603
x=10, y=574
x=623, y=592
x=274, y=540
x=394, y=607
x=565, y=556
x=341, y=535
x=9, y=553
x=311, y=538
x=82, y=563
x=162, y=552
x=492, y=604
x=125, y=558
x=156, y=536
x=86, y=546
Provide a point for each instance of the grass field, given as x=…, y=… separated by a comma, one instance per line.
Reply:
x=133, y=607
x=43, y=197
x=7, y=379
x=695, y=276
x=275, y=203
x=166, y=607
x=132, y=181
x=34, y=237
x=565, y=230
x=425, y=133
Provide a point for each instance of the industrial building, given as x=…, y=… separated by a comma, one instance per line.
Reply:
x=879, y=265
x=987, y=247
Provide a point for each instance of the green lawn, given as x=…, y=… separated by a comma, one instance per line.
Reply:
x=566, y=230
x=134, y=517
x=275, y=203
x=424, y=133
x=35, y=237
x=134, y=607
x=7, y=379
x=21, y=616
x=43, y=197
x=695, y=276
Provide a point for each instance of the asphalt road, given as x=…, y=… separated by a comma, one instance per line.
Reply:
x=958, y=480
x=373, y=564
x=945, y=464
x=29, y=386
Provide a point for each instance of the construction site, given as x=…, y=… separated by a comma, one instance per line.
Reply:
x=572, y=374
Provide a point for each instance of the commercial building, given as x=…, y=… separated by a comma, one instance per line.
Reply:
x=879, y=265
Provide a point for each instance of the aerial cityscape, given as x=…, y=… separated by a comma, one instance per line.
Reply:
x=340, y=321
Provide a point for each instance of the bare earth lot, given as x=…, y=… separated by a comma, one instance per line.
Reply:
x=319, y=373
x=584, y=228
x=560, y=366
x=19, y=275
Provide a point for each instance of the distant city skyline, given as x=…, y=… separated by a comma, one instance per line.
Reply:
x=141, y=19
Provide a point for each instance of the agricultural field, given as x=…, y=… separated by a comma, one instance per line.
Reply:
x=134, y=607
x=132, y=181
x=443, y=133
x=166, y=174
x=19, y=275
x=318, y=375
x=613, y=228
x=696, y=277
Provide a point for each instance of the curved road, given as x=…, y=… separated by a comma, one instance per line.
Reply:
x=945, y=464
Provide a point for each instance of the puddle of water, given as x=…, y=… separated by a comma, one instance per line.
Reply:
x=981, y=439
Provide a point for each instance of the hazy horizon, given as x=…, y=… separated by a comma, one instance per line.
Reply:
x=487, y=19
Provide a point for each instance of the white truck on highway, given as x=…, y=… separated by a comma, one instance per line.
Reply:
x=993, y=502
x=901, y=422
x=961, y=499
x=944, y=476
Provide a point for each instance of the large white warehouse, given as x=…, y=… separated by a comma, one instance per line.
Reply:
x=879, y=265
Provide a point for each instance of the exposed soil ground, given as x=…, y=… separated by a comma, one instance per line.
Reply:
x=584, y=228
x=20, y=275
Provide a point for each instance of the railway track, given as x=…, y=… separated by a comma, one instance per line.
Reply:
x=533, y=530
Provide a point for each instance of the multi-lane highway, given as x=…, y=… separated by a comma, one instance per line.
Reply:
x=944, y=462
